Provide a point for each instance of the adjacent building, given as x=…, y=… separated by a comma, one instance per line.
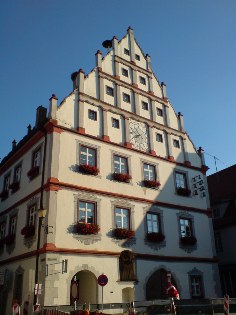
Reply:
x=222, y=192
x=108, y=182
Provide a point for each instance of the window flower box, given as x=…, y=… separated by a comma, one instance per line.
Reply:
x=10, y=239
x=4, y=194
x=188, y=240
x=28, y=231
x=155, y=237
x=151, y=183
x=88, y=169
x=33, y=172
x=122, y=177
x=14, y=186
x=183, y=191
x=123, y=233
x=87, y=228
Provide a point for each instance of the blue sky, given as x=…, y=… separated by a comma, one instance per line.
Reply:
x=192, y=44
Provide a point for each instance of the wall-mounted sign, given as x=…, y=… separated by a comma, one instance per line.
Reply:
x=198, y=188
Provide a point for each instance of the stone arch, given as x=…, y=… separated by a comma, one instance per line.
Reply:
x=86, y=277
x=156, y=284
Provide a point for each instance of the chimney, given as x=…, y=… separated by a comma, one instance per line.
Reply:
x=29, y=129
x=181, y=121
x=53, y=107
x=99, y=60
x=13, y=144
x=78, y=80
x=41, y=116
x=163, y=87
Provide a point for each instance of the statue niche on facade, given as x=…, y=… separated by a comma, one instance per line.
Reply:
x=127, y=266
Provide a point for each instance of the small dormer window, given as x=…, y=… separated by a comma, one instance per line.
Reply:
x=92, y=114
x=109, y=91
x=159, y=112
x=176, y=143
x=137, y=57
x=126, y=98
x=142, y=80
x=115, y=123
x=126, y=51
x=144, y=105
x=125, y=72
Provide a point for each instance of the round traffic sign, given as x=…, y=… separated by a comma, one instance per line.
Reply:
x=102, y=280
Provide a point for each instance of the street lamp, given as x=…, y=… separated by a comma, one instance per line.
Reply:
x=41, y=215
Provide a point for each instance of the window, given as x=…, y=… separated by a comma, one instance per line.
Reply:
x=196, y=286
x=126, y=51
x=145, y=105
x=36, y=158
x=87, y=156
x=149, y=172
x=17, y=174
x=125, y=72
x=2, y=230
x=159, y=112
x=142, y=80
x=185, y=227
x=159, y=137
x=126, y=98
x=31, y=215
x=92, y=114
x=109, y=91
x=6, y=183
x=12, y=225
x=176, y=143
x=86, y=212
x=122, y=218
x=137, y=57
x=180, y=180
x=120, y=165
x=153, y=223
x=115, y=123
x=218, y=242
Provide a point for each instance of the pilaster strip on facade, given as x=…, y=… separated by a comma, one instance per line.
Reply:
x=105, y=135
x=185, y=149
x=151, y=140
x=118, y=96
x=167, y=116
x=101, y=87
x=136, y=104
x=127, y=134
x=169, y=146
x=81, y=127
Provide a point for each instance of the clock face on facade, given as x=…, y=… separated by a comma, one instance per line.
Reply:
x=138, y=135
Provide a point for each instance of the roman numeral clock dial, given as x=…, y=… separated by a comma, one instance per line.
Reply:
x=138, y=135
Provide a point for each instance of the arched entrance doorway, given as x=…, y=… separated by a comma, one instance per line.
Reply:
x=156, y=285
x=84, y=288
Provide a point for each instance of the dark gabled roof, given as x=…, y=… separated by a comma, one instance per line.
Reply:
x=222, y=185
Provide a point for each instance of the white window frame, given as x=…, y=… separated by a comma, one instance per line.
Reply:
x=150, y=171
x=151, y=223
x=181, y=183
x=87, y=211
x=36, y=158
x=125, y=214
x=87, y=154
x=121, y=161
x=2, y=230
x=12, y=225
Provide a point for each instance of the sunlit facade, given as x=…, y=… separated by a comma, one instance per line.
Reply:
x=124, y=191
